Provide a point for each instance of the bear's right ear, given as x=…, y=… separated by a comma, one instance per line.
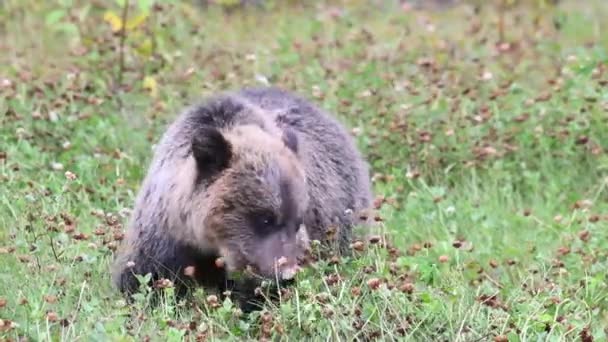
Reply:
x=211, y=151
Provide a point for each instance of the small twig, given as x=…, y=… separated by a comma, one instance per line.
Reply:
x=53, y=248
x=123, y=38
x=121, y=60
x=492, y=280
x=38, y=263
x=501, y=21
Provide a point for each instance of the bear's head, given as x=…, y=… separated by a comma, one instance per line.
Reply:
x=254, y=197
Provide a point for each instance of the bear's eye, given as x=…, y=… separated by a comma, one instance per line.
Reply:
x=268, y=220
x=264, y=222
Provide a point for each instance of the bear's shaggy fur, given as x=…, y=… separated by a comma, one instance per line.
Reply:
x=249, y=176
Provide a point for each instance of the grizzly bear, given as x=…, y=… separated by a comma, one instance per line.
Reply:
x=249, y=177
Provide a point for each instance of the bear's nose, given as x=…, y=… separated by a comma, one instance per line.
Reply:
x=287, y=268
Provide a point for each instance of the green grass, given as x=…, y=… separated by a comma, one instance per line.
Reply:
x=491, y=162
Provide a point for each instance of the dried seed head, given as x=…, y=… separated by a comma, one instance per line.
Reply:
x=407, y=288
x=51, y=299
x=334, y=260
x=163, y=283
x=70, y=175
x=368, y=269
x=322, y=297
x=328, y=312
x=286, y=294
x=266, y=317
x=374, y=283
x=584, y=235
x=80, y=236
x=333, y=279
x=358, y=246
x=212, y=300
x=374, y=239
x=378, y=201
x=52, y=316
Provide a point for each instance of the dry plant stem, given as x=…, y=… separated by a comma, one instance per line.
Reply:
x=501, y=20
x=123, y=38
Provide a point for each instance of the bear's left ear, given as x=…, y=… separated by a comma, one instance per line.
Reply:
x=290, y=139
x=211, y=151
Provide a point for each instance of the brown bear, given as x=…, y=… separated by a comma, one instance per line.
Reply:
x=250, y=177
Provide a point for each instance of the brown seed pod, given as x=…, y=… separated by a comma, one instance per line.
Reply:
x=333, y=279
x=564, y=250
x=163, y=283
x=584, y=235
x=99, y=231
x=334, y=260
x=80, y=236
x=322, y=297
x=52, y=316
x=237, y=312
x=327, y=312
x=266, y=317
x=369, y=269
x=358, y=246
x=406, y=288
x=374, y=239
x=374, y=283
x=212, y=301
x=51, y=299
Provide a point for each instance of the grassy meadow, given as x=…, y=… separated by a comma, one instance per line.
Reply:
x=486, y=128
